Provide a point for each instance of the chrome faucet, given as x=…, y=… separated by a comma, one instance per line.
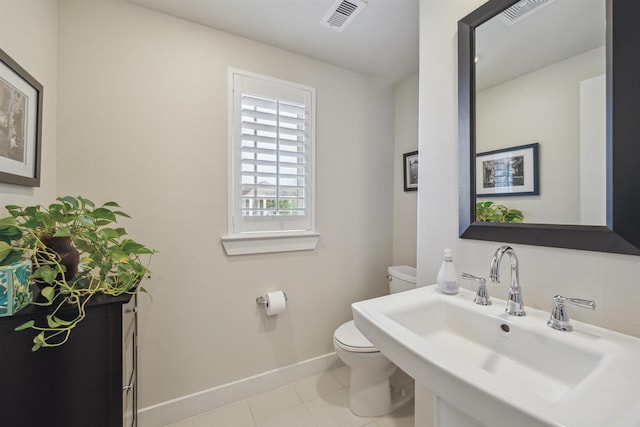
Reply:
x=515, y=306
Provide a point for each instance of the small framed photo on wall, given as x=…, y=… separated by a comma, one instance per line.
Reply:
x=410, y=171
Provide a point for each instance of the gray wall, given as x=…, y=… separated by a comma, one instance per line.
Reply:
x=28, y=34
x=143, y=120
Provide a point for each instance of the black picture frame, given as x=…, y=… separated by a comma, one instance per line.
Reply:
x=20, y=124
x=511, y=171
x=410, y=169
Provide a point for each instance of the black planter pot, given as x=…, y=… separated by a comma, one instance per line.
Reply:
x=69, y=255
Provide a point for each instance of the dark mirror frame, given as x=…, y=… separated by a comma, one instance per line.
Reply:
x=622, y=232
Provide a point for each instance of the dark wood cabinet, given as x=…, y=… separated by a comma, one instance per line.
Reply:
x=89, y=381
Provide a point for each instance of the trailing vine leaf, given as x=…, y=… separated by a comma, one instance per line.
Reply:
x=63, y=232
x=38, y=341
x=46, y=273
x=5, y=250
x=9, y=233
x=26, y=325
x=62, y=321
x=52, y=322
x=49, y=293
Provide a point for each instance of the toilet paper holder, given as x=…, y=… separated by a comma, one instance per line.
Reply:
x=262, y=300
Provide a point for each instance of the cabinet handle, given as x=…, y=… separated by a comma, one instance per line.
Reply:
x=132, y=310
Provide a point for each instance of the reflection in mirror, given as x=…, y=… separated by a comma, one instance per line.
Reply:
x=540, y=79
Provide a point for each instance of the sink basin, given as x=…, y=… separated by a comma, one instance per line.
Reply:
x=499, y=369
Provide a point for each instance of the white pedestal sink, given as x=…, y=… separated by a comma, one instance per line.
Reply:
x=489, y=368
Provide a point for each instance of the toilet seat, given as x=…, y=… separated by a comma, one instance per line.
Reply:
x=349, y=338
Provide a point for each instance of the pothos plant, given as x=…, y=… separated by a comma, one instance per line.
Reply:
x=107, y=262
x=492, y=212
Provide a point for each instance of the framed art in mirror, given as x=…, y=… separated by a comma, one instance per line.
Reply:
x=20, y=124
x=511, y=171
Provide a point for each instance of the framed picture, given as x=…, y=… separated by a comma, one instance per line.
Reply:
x=508, y=172
x=410, y=171
x=20, y=124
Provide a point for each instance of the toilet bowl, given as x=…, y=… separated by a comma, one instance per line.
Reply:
x=377, y=387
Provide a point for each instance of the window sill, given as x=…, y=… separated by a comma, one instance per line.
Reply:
x=245, y=245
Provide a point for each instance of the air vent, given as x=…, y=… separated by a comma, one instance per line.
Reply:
x=342, y=13
x=522, y=9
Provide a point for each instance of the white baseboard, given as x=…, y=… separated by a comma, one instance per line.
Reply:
x=194, y=404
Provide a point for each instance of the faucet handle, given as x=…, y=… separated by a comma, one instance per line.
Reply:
x=472, y=277
x=559, y=319
x=482, y=296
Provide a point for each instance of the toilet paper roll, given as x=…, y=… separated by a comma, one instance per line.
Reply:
x=276, y=303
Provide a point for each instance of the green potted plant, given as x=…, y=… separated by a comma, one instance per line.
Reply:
x=77, y=252
x=492, y=212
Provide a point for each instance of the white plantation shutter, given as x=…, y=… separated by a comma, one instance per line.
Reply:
x=272, y=156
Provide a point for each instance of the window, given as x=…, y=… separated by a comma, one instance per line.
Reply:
x=271, y=161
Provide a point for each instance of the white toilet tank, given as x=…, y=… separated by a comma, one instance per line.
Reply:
x=401, y=278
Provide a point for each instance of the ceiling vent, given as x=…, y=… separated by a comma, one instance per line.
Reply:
x=342, y=13
x=522, y=9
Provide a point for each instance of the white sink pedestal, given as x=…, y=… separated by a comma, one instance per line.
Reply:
x=449, y=416
x=424, y=406
x=432, y=411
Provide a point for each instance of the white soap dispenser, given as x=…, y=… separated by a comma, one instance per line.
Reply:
x=447, y=281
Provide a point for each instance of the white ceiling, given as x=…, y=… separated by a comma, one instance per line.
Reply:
x=550, y=34
x=382, y=41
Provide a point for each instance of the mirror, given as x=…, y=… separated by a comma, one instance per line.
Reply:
x=500, y=108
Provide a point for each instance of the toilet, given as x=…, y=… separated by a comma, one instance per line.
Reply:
x=377, y=386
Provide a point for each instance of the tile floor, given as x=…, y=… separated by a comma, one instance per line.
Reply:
x=318, y=401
